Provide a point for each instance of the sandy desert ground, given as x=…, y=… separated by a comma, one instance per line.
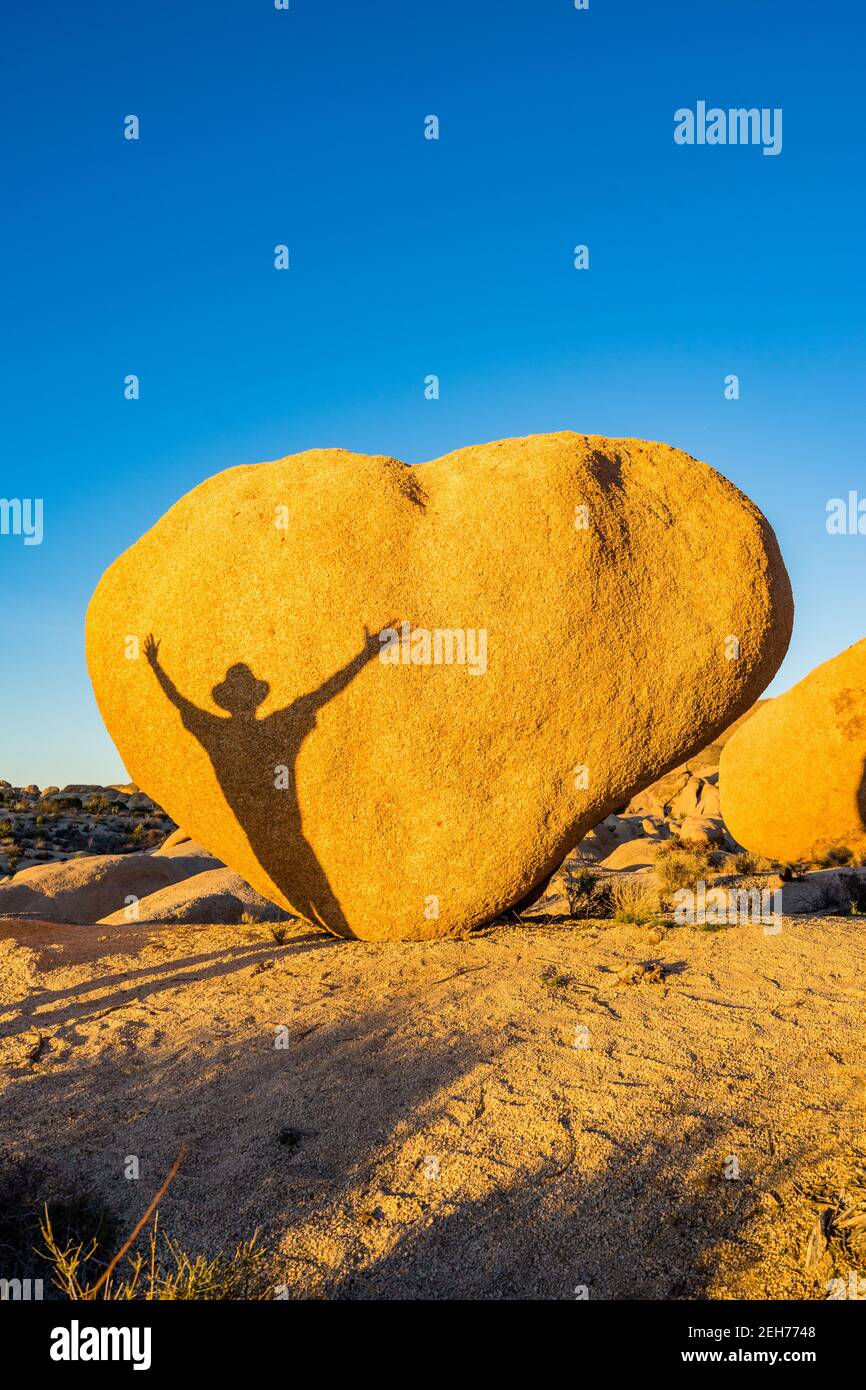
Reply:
x=519, y=1114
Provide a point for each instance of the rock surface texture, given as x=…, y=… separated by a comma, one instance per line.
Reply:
x=793, y=778
x=567, y=617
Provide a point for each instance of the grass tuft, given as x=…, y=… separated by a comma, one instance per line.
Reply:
x=678, y=867
x=634, y=902
x=748, y=863
x=162, y=1271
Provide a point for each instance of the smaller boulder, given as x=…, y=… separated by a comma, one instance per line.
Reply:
x=655, y=828
x=656, y=799
x=85, y=889
x=216, y=896
x=633, y=855
x=701, y=830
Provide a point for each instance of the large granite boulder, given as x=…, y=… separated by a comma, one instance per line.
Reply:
x=393, y=698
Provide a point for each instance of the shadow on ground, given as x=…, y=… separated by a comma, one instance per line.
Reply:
x=325, y=1147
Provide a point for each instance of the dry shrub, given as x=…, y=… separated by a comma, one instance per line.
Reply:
x=681, y=867
x=165, y=1271
x=839, y=1228
x=633, y=901
x=837, y=856
x=747, y=863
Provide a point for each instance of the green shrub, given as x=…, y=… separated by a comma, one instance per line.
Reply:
x=587, y=895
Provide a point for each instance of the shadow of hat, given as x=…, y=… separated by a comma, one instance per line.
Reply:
x=240, y=690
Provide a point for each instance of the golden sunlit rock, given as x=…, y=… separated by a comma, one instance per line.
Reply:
x=793, y=778
x=564, y=618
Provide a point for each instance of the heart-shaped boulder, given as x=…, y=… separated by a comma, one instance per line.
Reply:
x=392, y=699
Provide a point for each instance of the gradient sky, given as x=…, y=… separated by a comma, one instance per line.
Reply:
x=412, y=257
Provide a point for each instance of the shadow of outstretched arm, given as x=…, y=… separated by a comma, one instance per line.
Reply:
x=340, y=679
x=193, y=718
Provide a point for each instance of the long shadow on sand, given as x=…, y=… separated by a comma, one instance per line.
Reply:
x=349, y=1204
x=39, y=1008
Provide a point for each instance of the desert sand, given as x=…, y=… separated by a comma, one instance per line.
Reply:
x=431, y=1128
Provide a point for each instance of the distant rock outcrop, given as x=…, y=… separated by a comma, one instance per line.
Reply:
x=43, y=827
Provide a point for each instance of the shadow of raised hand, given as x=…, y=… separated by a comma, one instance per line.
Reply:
x=255, y=762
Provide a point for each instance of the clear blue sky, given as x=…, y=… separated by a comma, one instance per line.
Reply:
x=412, y=257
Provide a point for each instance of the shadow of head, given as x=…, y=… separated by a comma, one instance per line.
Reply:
x=240, y=692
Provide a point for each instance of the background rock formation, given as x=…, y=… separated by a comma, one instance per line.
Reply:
x=794, y=777
x=84, y=890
